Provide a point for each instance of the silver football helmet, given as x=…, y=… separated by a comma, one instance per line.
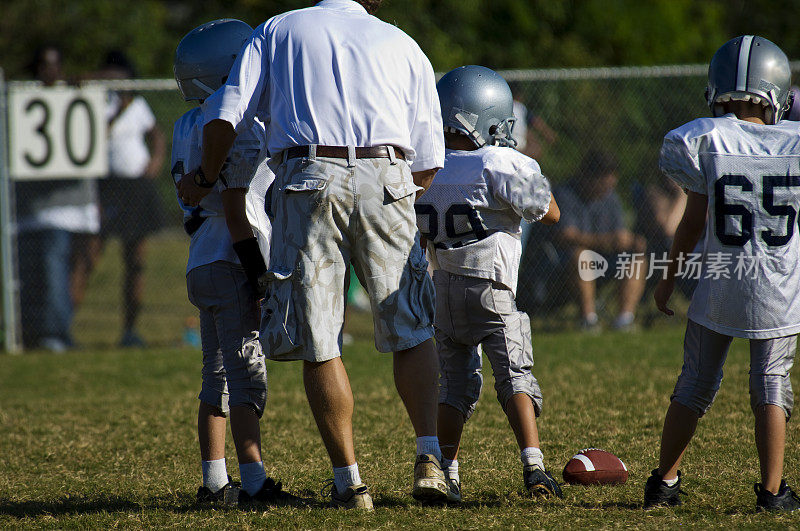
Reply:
x=750, y=68
x=205, y=55
x=477, y=102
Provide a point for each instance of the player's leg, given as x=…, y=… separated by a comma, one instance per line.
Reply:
x=460, y=383
x=509, y=350
x=331, y=400
x=771, y=399
x=236, y=319
x=213, y=407
x=212, y=412
x=704, y=355
x=460, y=377
x=770, y=432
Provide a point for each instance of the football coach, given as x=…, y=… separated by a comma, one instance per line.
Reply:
x=355, y=135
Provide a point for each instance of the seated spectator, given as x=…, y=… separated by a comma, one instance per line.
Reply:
x=531, y=131
x=592, y=219
x=794, y=110
x=659, y=208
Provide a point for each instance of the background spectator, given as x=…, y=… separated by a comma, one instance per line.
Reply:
x=592, y=218
x=659, y=208
x=531, y=131
x=794, y=111
x=53, y=216
x=129, y=198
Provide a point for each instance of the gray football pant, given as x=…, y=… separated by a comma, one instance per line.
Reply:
x=234, y=371
x=704, y=355
x=470, y=312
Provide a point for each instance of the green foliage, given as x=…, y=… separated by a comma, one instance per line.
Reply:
x=508, y=34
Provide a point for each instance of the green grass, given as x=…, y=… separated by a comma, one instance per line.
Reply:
x=106, y=438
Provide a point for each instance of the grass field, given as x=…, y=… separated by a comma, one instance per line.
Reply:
x=106, y=438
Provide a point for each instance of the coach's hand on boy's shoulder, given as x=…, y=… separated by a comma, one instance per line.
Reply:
x=189, y=192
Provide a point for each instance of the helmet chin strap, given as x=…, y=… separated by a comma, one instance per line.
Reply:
x=196, y=82
x=471, y=131
x=776, y=107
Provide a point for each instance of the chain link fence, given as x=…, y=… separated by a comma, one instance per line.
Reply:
x=618, y=115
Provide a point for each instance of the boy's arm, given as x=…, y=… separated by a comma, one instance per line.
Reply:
x=553, y=212
x=244, y=242
x=686, y=237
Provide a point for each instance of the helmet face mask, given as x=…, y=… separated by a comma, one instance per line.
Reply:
x=476, y=101
x=752, y=69
x=205, y=55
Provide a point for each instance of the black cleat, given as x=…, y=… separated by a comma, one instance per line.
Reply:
x=785, y=501
x=539, y=483
x=227, y=495
x=657, y=493
x=271, y=493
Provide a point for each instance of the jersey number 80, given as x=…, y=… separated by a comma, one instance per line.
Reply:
x=476, y=232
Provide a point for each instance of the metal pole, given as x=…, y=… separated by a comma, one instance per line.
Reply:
x=8, y=235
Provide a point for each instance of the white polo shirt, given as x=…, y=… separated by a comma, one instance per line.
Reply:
x=334, y=75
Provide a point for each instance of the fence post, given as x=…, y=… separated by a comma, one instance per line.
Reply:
x=10, y=285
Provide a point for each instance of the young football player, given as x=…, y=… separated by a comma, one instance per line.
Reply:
x=471, y=218
x=741, y=171
x=229, y=231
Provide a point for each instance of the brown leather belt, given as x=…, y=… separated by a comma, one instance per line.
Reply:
x=340, y=152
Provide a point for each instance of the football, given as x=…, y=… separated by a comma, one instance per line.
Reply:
x=592, y=466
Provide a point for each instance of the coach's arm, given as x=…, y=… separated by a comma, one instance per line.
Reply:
x=218, y=138
x=424, y=179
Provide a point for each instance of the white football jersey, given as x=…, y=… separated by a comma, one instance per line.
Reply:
x=751, y=258
x=246, y=167
x=471, y=214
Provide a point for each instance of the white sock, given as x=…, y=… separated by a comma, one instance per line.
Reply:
x=429, y=444
x=215, y=474
x=590, y=318
x=346, y=476
x=624, y=319
x=532, y=456
x=670, y=482
x=253, y=477
x=451, y=468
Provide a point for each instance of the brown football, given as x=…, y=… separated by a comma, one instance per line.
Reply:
x=592, y=466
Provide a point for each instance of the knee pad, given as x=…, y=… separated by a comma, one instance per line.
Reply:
x=695, y=392
x=461, y=391
x=521, y=384
x=775, y=389
x=247, y=379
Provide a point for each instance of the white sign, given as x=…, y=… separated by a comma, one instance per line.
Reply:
x=57, y=132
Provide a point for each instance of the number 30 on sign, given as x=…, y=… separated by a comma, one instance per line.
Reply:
x=57, y=132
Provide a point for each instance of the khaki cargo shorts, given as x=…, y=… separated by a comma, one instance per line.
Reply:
x=328, y=215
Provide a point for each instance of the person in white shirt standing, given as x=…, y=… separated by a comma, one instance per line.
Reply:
x=355, y=133
x=229, y=231
x=741, y=171
x=129, y=199
x=471, y=218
